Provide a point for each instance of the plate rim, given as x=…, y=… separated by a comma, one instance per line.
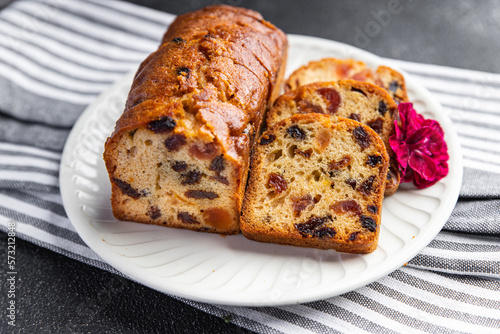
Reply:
x=121, y=264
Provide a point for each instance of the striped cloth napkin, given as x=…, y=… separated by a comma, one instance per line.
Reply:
x=57, y=56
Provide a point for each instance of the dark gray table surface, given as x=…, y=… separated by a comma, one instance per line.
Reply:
x=58, y=294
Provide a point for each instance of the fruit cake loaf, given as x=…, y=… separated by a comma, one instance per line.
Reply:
x=332, y=69
x=361, y=101
x=316, y=182
x=179, y=153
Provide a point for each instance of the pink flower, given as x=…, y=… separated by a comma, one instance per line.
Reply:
x=420, y=148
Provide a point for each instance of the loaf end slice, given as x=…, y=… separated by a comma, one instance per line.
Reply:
x=333, y=69
x=316, y=182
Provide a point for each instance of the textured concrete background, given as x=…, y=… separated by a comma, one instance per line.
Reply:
x=57, y=294
x=457, y=33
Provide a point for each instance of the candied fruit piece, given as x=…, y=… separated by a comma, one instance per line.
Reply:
x=362, y=137
x=355, y=117
x=200, y=194
x=394, y=86
x=372, y=208
x=217, y=164
x=306, y=154
x=191, y=177
x=187, y=218
x=295, y=132
x=267, y=139
x=278, y=182
x=218, y=218
x=179, y=166
x=128, y=190
x=154, y=212
x=346, y=160
x=333, y=97
x=382, y=108
x=324, y=231
x=377, y=125
x=353, y=236
x=300, y=203
x=366, y=187
x=351, y=182
x=369, y=223
x=306, y=107
x=220, y=178
x=308, y=227
x=373, y=160
x=175, y=142
x=162, y=125
x=203, y=151
x=347, y=206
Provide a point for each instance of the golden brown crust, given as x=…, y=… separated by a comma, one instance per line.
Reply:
x=213, y=76
x=275, y=211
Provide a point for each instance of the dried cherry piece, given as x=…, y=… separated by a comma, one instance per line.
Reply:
x=162, y=125
x=346, y=206
x=306, y=107
x=175, y=142
x=382, y=108
x=187, y=218
x=366, y=187
x=377, y=125
x=179, y=166
x=346, y=160
x=128, y=190
x=355, y=117
x=191, y=177
x=200, y=194
x=306, y=154
x=154, y=212
x=217, y=164
x=369, y=223
x=372, y=208
x=300, y=203
x=373, y=160
x=203, y=151
x=267, y=139
x=333, y=97
x=362, y=137
x=295, y=132
x=351, y=182
x=278, y=182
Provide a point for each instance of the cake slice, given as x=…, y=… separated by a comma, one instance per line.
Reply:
x=332, y=69
x=316, y=182
x=361, y=101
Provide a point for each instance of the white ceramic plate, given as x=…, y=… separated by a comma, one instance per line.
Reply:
x=232, y=270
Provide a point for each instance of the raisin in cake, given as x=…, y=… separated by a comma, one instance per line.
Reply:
x=361, y=101
x=179, y=153
x=332, y=69
x=316, y=182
